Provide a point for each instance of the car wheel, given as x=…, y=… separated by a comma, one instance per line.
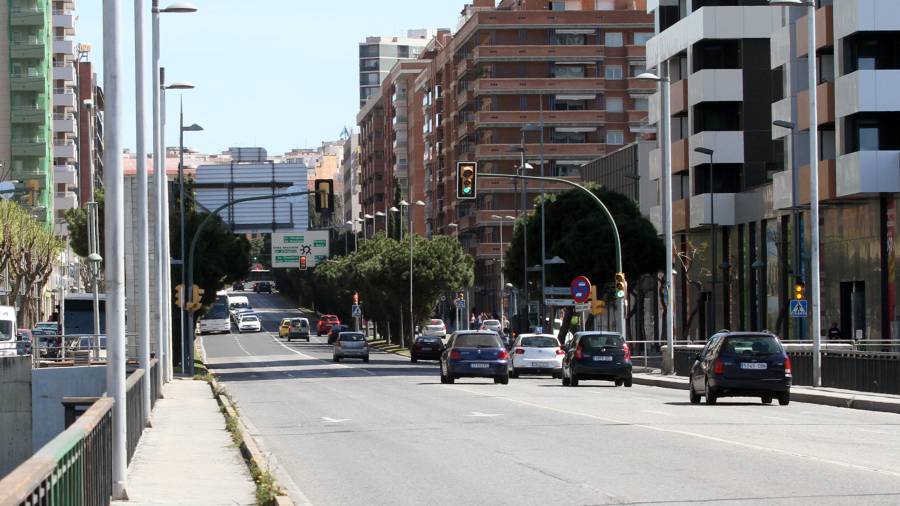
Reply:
x=413, y=359
x=618, y=382
x=694, y=396
x=504, y=380
x=556, y=375
x=711, y=396
x=513, y=374
x=766, y=399
x=366, y=360
x=573, y=378
x=627, y=383
x=784, y=398
x=565, y=379
x=337, y=359
x=289, y=338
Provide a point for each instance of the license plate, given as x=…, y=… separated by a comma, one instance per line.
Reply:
x=426, y=348
x=479, y=366
x=603, y=358
x=754, y=365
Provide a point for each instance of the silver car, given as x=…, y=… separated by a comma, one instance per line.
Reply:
x=351, y=345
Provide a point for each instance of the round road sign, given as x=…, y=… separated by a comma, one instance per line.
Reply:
x=580, y=289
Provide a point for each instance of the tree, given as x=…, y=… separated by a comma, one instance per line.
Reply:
x=579, y=233
x=77, y=219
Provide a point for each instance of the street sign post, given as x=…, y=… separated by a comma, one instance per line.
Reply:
x=558, y=290
x=580, y=289
x=799, y=309
x=356, y=311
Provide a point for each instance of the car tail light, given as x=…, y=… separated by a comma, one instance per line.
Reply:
x=559, y=351
x=337, y=343
x=627, y=352
x=455, y=355
x=719, y=368
x=504, y=354
x=578, y=353
x=787, y=367
x=520, y=351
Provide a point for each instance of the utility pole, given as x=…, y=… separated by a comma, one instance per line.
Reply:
x=142, y=247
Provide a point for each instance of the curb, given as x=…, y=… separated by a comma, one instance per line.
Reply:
x=390, y=348
x=821, y=398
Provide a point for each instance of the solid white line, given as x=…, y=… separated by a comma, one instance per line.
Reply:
x=304, y=355
x=741, y=444
x=663, y=413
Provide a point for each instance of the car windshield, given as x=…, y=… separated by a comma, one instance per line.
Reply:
x=353, y=336
x=249, y=318
x=540, y=342
x=296, y=322
x=751, y=345
x=600, y=341
x=477, y=341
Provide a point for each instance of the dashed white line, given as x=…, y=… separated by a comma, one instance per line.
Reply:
x=304, y=355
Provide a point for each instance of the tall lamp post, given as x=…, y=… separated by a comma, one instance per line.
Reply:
x=712, y=219
x=501, y=219
x=665, y=143
x=412, y=315
x=185, y=352
x=368, y=217
x=812, y=80
x=160, y=195
x=795, y=212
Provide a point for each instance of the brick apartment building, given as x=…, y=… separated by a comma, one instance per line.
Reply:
x=513, y=75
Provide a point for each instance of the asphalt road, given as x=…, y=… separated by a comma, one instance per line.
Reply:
x=388, y=432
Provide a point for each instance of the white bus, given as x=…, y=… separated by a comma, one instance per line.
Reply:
x=7, y=331
x=215, y=320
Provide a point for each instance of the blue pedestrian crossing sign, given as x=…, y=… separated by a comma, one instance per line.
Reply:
x=799, y=309
x=356, y=311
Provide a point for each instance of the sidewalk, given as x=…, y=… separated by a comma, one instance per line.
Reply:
x=826, y=396
x=188, y=457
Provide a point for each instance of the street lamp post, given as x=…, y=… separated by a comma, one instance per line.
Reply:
x=381, y=214
x=812, y=79
x=502, y=280
x=665, y=143
x=712, y=219
x=795, y=212
x=412, y=315
x=188, y=354
x=366, y=225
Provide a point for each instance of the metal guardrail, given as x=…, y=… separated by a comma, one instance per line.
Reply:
x=74, y=468
x=134, y=409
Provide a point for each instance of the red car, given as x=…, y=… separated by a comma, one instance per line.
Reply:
x=325, y=323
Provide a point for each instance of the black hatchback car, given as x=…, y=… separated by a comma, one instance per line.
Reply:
x=597, y=355
x=426, y=348
x=263, y=286
x=742, y=364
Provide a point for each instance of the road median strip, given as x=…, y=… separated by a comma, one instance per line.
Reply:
x=383, y=345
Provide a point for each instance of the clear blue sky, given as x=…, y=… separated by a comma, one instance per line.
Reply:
x=279, y=74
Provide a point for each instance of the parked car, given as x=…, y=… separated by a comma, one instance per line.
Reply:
x=298, y=329
x=335, y=331
x=435, y=328
x=24, y=339
x=249, y=323
x=351, y=345
x=238, y=286
x=48, y=342
x=536, y=354
x=326, y=321
x=474, y=354
x=426, y=348
x=742, y=364
x=263, y=286
x=599, y=356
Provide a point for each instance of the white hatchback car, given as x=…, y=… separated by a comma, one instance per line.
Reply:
x=536, y=354
x=249, y=323
x=435, y=328
x=493, y=325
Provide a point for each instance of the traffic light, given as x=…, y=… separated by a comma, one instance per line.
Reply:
x=179, y=295
x=621, y=285
x=598, y=307
x=355, y=298
x=799, y=290
x=196, y=296
x=303, y=263
x=324, y=195
x=466, y=180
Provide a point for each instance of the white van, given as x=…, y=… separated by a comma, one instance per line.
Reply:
x=8, y=331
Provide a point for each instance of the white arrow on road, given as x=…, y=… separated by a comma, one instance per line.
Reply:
x=327, y=419
x=479, y=413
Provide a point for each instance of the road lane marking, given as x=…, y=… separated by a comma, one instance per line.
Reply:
x=663, y=413
x=328, y=419
x=480, y=414
x=304, y=355
x=741, y=444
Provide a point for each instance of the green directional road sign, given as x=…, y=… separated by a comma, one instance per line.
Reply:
x=288, y=247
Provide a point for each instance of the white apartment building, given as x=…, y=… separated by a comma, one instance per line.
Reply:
x=377, y=56
x=65, y=124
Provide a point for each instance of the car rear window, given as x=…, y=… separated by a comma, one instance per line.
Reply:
x=600, y=341
x=437, y=322
x=540, y=342
x=352, y=337
x=429, y=340
x=492, y=322
x=751, y=345
x=477, y=341
x=249, y=318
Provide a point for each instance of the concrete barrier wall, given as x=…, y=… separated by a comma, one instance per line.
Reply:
x=49, y=386
x=15, y=412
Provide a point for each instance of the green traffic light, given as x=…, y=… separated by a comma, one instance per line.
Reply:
x=620, y=293
x=467, y=190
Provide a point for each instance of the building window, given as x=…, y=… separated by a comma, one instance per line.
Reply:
x=636, y=69
x=604, y=5
x=568, y=39
x=613, y=39
x=567, y=71
x=370, y=51
x=615, y=104
x=613, y=72
x=641, y=104
x=568, y=137
x=369, y=79
x=615, y=137
x=868, y=138
x=641, y=38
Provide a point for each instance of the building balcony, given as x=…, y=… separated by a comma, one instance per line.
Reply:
x=550, y=118
x=867, y=172
x=465, y=128
x=27, y=16
x=29, y=48
x=681, y=214
x=61, y=229
x=862, y=91
x=537, y=53
x=63, y=45
x=64, y=97
x=487, y=250
x=63, y=19
x=634, y=52
x=730, y=209
x=65, y=174
x=680, y=159
x=636, y=118
x=64, y=149
x=64, y=123
x=34, y=115
x=32, y=81
x=635, y=85
x=516, y=86
x=31, y=173
x=716, y=85
x=64, y=71
x=29, y=146
x=65, y=200
x=678, y=100
x=464, y=66
x=728, y=146
x=552, y=151
x=464, y=97
x=782, y=185
x=824, y=30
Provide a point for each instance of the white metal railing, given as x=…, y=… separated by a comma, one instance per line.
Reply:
x=63, y=91
x=64, y=142
x=63, y=115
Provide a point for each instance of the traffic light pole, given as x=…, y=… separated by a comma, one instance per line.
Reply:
x=609, y=216
x=188, y=343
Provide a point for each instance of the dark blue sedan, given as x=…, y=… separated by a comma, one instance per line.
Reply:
x=475, y=354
